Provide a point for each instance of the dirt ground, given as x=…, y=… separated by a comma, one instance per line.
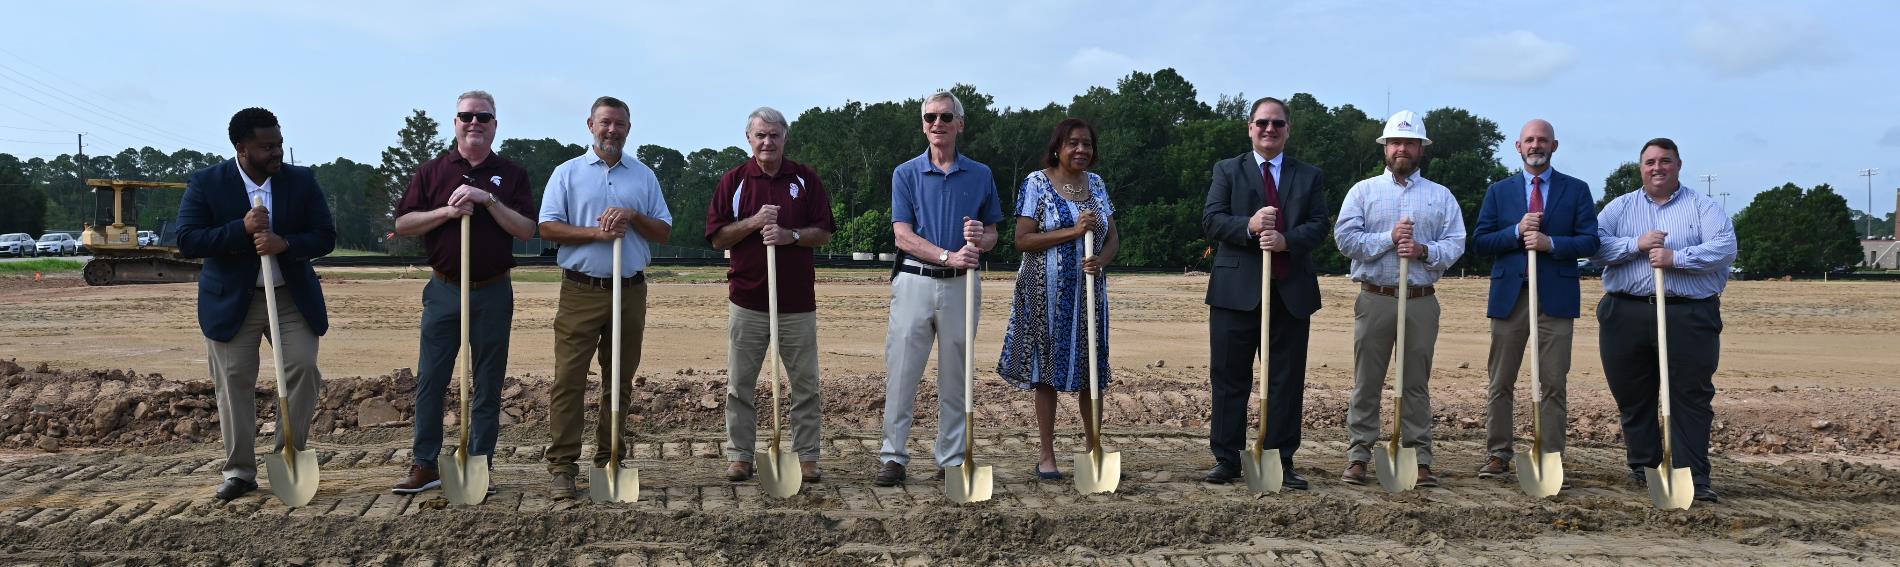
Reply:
x=109, y=445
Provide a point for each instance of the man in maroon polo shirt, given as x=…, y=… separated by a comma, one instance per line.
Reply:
x=468, y=181
x=771, y=201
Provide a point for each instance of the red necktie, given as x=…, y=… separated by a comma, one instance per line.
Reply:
x=1537, y=194
x=1280, y=259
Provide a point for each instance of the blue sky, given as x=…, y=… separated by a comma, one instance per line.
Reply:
x=1757, y=93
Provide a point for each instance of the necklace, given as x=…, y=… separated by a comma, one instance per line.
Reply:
x=1070, y=192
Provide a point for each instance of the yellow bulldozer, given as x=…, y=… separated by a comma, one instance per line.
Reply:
x=119, y=256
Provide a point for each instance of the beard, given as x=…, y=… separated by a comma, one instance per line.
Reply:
x=1404, y=167
x=1538, y=161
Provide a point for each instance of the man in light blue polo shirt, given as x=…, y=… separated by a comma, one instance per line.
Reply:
x=944, y=211
x=591, y=201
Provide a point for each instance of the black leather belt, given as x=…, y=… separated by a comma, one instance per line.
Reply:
x=939, y=273
x=1411, y=292
x=604, y=283
x=474, y=285
x=1670, y=299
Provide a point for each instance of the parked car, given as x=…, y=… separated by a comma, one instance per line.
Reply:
x=58, y=244
x=18, y=244
x=148, y=238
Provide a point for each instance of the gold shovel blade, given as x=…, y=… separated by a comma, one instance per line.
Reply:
x=1670, y=489
x=1262, y=470
x=780, y=474
x=464, y=482
x=1091, y=479
x=964, y=485
x=1540, y=474
x=1397, y=470
x=613, y=484
x=293, y=480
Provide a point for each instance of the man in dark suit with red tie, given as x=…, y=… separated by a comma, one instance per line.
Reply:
x=1551, y=213
x=1258, y=201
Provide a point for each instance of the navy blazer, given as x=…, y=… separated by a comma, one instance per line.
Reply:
x=211, y=226
x=1571, y=221
x=1237, y=190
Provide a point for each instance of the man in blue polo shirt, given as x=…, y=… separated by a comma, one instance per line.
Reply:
x=592, y=200
x=944, y=211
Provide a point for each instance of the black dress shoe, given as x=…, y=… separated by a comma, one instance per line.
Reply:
x=1223, y=473
x=1638, y=477
x=234, y=487
x=1706, y=494
x=1293, y=480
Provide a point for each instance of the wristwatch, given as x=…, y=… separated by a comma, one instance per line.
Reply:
x=795, y=236
x=943, y=257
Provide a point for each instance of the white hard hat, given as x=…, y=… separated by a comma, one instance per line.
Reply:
x=1405, y=124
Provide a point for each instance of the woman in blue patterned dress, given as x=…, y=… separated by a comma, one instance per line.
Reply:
x=1044, y=348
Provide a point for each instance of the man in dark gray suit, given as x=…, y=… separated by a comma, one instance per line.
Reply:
x=1262, y=201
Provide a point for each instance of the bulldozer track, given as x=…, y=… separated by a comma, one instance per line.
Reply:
x=107, y=507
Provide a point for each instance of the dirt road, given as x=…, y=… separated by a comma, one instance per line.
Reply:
x=1806, y=418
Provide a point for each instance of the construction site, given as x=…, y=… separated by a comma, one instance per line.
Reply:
x=109, y=444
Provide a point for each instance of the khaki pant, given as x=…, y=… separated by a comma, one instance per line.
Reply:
x=1374, y=332
x=925, y=310
x=1508, y=336
x=583, y=329
x=234, y=367
x=745, y=355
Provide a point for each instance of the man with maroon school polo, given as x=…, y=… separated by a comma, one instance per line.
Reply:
x=469, y=181
x=771, y=201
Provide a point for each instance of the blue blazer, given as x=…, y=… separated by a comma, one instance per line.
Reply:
x=211, y=226
x=1571, y=221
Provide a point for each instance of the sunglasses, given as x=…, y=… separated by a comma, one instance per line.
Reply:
x=482, y=117
x=1263, y=123
x=939, y=116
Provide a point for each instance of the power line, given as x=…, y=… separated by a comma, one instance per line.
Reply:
x=31, y=142
x=148, y=126
x=38, y=130
x=82, y=118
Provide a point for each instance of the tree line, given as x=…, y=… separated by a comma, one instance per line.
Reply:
x=1156, y=145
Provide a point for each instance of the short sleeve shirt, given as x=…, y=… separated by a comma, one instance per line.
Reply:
x=491, y=248
x=581, y=189
x=935, y=202
x=802, y=201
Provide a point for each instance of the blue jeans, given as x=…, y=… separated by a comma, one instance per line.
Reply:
x=492, y=313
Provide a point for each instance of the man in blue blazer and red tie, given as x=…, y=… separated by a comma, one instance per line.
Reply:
x=1551, y=213
x=218, y=221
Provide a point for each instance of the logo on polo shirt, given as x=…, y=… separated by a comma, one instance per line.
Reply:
x=794, y=190
x=495, y=180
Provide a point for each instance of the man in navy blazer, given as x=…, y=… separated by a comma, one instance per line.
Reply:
x=1260, y=201
x=1543, y=210
x=218, y=221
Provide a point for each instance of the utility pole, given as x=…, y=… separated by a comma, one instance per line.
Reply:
x=1869, y=174
x=80, y=158
x=1724, y=196
x=293, y=156
x=1708, y=184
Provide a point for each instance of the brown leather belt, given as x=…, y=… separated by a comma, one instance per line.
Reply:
x=474, y=285
x=604, y=283
x=1411, y=292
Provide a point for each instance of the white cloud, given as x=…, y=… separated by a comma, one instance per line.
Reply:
x=1744, y=41
x=1513, y=58
x=1097, y=64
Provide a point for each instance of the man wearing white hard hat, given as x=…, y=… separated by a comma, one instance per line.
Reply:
x=1398, y=213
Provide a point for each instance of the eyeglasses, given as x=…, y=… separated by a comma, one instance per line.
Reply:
x=1263, y=123
x=940, y=116
x=482, y=117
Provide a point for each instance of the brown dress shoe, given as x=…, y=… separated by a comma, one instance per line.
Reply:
x=808, y=471
x=1425, y=478
x=739, y=471
x=891, y=474
x=1355, y=473
x=1494, y=467
x=420, y=478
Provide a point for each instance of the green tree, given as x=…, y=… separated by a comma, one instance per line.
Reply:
x=416, y=143
x=540, y=157
x=347, y=186
x=26, y=206
x=1790, y=230
x=1625, y=179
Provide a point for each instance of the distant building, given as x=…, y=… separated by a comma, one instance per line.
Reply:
x=1883, y=253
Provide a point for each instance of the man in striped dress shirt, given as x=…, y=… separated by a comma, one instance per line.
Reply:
x=1689, y=236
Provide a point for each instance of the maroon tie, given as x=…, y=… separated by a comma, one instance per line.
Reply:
x=1537, y=194
x=1280, y=259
